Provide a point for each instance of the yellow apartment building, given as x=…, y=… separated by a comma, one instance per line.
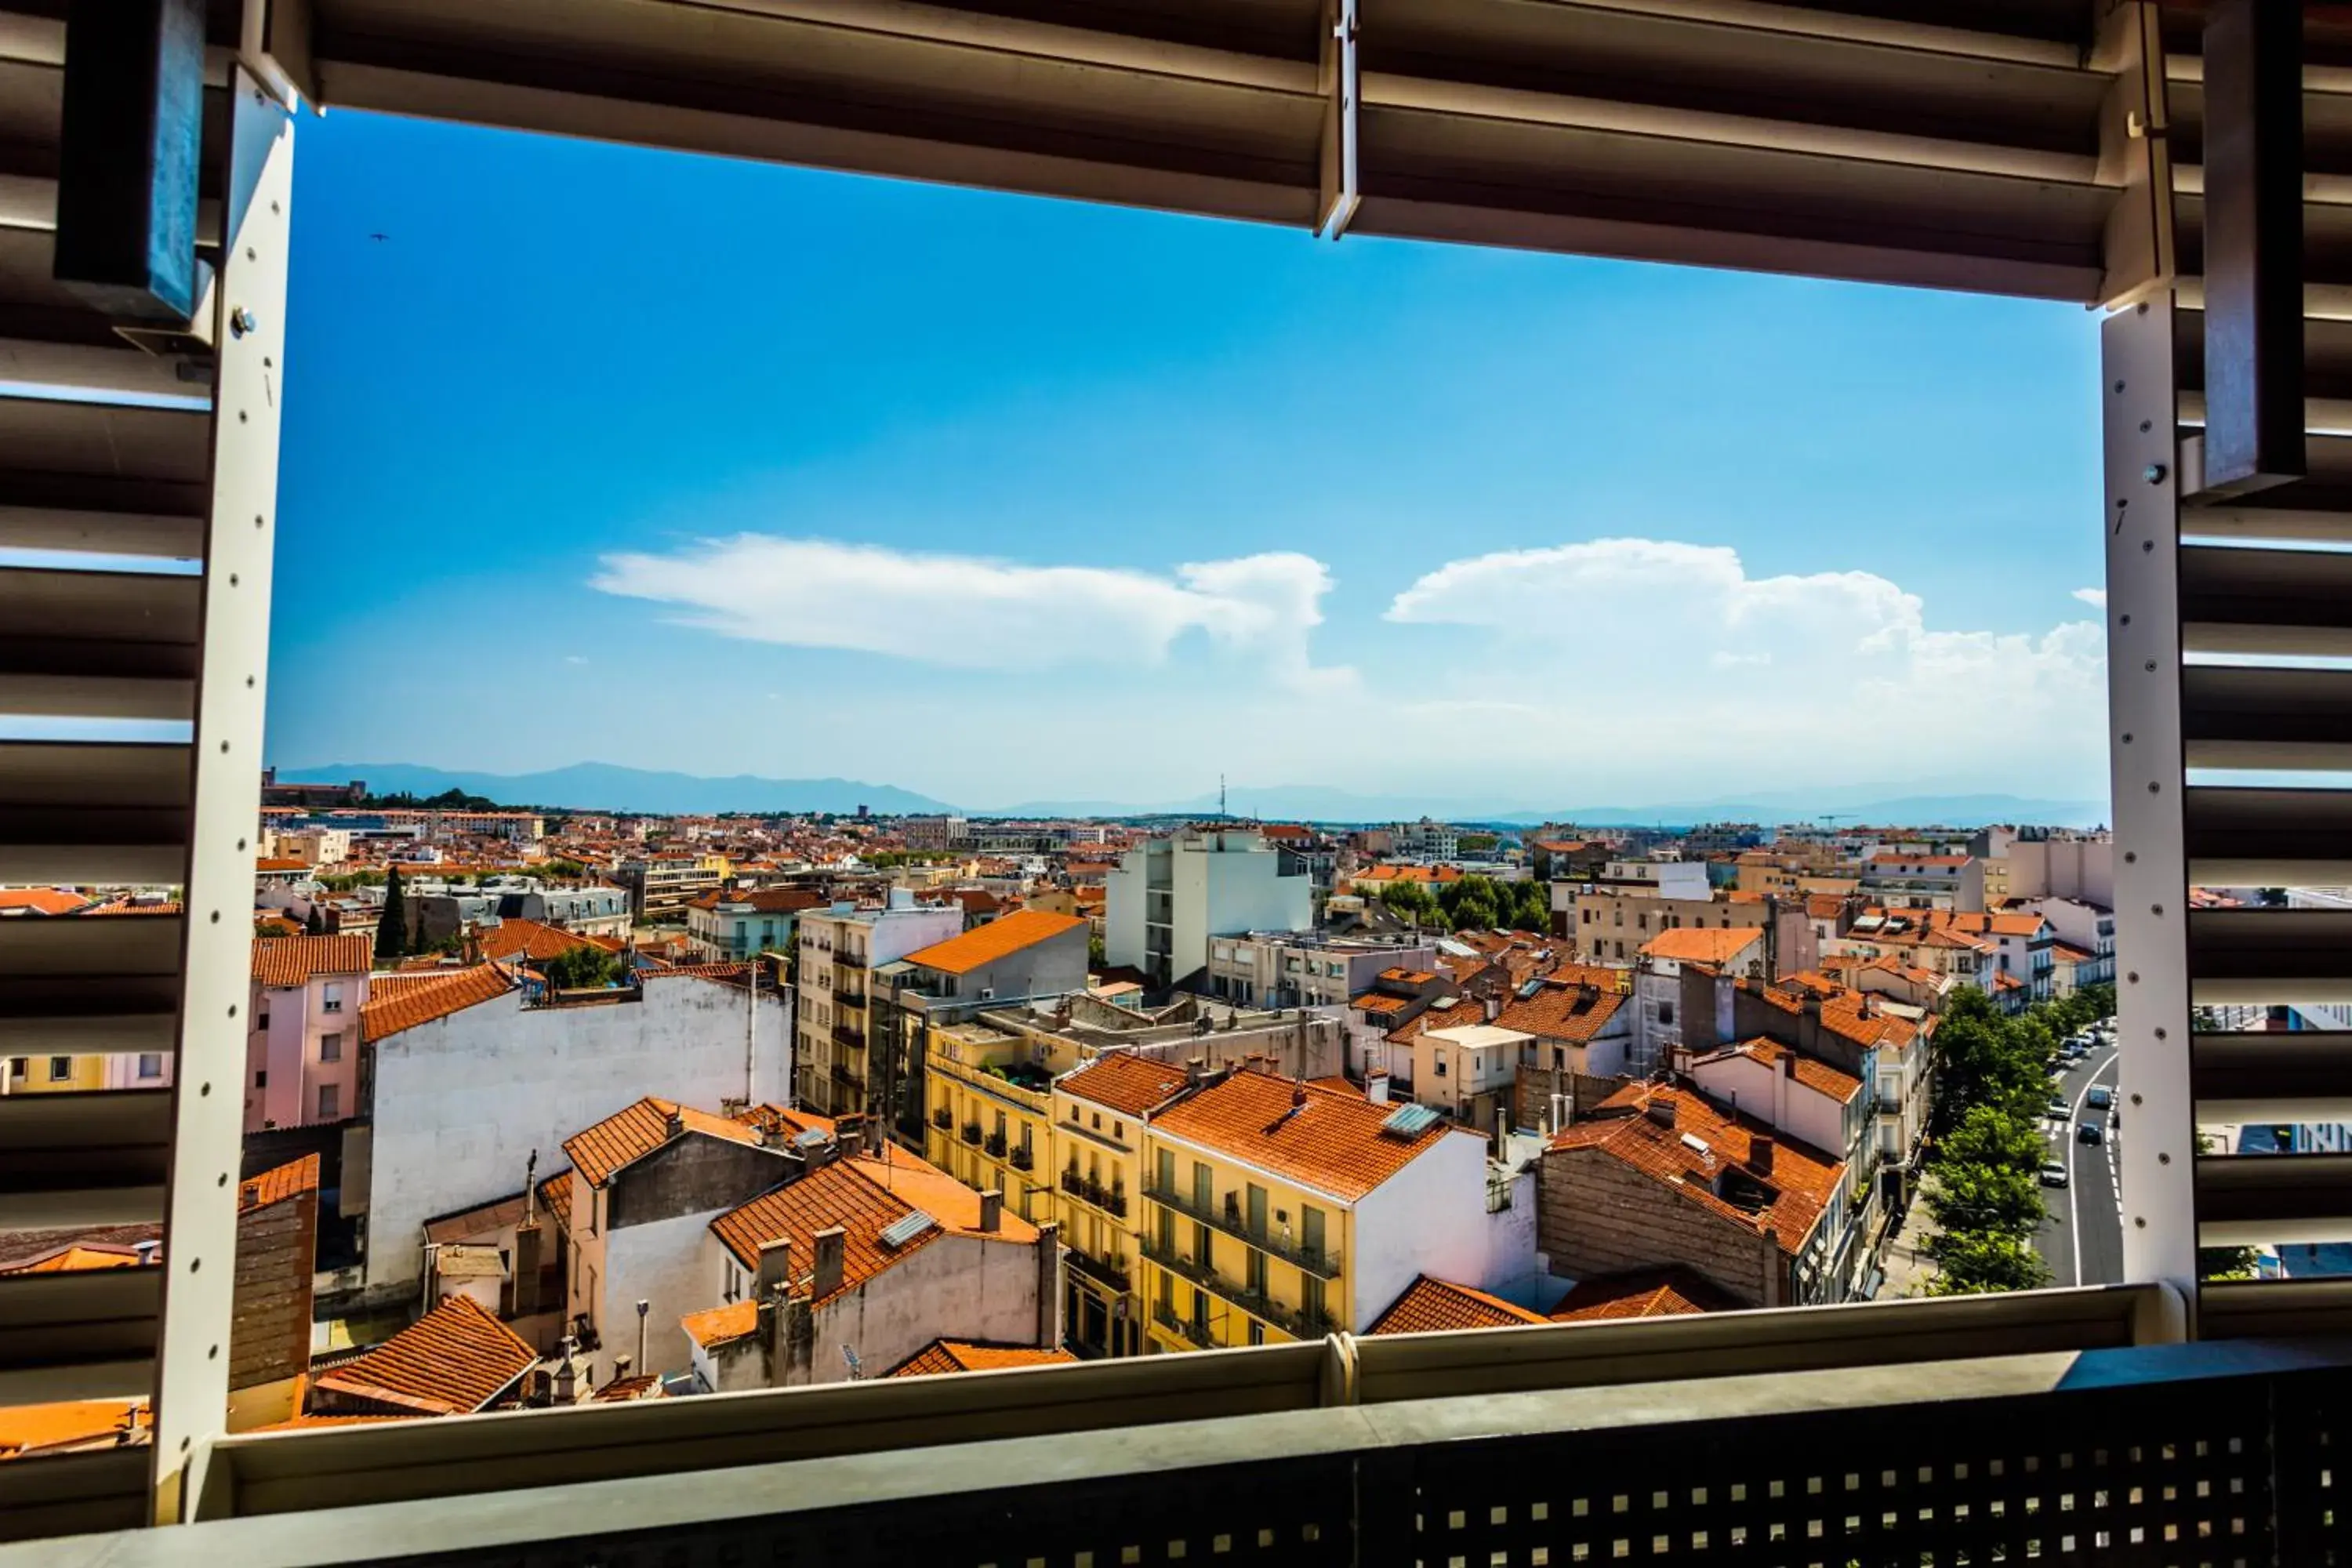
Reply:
x=991, y=1108
x=1278, y=1210
x=1100, y=1115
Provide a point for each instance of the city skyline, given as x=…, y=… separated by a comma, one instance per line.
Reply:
x=993, y=474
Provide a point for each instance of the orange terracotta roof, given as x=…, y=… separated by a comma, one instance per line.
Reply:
x=275, y=1186
x=280, y=961
x=1814, y=1074
x=964, y=1355
x=278, y=863
x=1791, y=1197
x=555, y=1192
x=1465, y=1010
x=646, y=1385
x=788, y=1122
x=735, y=1321
x=537, y=942
x=1123, y=1081
x=304, y=1421
x=631, y=1134
x=1330, y=1142
x=39, y=901
x=70, y=1425
x=916, y=1181
x=78, y=1258
x=1430, y=1306
x=133, y=907
x=275, y=925
x=1645, y=1293
x=1398, y=976
x=1570, y=1010
x=456, y=1358
x=835, y=1194
x=997, y=939
x=1703, y=944
x=436, y=997
x=1382, y=1003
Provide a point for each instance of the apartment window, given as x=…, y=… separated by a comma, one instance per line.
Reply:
x=332, y=999
x=261, y=1079
x=1118, y=1129
x=1257, y=1271
x=1256, y=1209
x=1201, y=1253
x=60, y=1068
x=20, y=1066
x=150, y=1064
x=330, y=1100
x=1665, y=1012
x=1256, y=1332
x=261, y=1021
x=330, y=1048
x=1204, y=1187
x=1167, y=1171
x=1441, y=1065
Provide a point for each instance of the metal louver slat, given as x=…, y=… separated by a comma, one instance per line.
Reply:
x=2295, y=603
x=81, y=813
x=2259, y=956
x=2246, y=1200
x=101, y=533
x=2269, y=837
x=2273, y=718
x=98, y=644
x=85, y=1326
x=103, y=983
x=2293, y=1078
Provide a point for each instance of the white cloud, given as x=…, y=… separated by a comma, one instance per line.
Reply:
x=1729, y=680
x=2094, y=597
x=575, y=658
x=975, y=612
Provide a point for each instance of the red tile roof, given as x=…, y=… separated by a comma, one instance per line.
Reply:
x=39, y=901
x=1813, y=1073
x=835, y=1194
x=456, y=1358
x=555, y=1192
x=428, y=998
x=69, y=1425
x=964, y=1355
x=1703, y=944
x=133, y=907
x=998, y=939
x=630, y=1134
x=1125, y=1082
x=280, y=962
x=80, y=1257
x=735, y=1321
x=537, y=942
x=1330, y=1142
x=1430, y=1306
x=1382, y=1002
x=1647, y=1293
x=1571, y=1009
x=1792, y=1196
x=275, y=1186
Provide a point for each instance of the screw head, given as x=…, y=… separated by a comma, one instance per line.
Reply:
x=241, y=320
x=2153, y=473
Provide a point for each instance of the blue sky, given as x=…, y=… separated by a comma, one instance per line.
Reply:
x=607, y=454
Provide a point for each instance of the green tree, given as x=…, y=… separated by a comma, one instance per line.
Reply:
x=1992, y=1138
x=1410, y=900
x=582, y=968
x=392, y=926
x=1991, y=1200
x=1097, y=956
x=1476, y=909
x=1975, y=1262
x=317, y=924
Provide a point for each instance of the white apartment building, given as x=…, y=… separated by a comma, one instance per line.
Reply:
x=1301, y=969
x=839, y=949
x=1170, y=896
x=1427, y=840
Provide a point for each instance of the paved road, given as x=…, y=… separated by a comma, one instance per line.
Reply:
x=2082, y=1235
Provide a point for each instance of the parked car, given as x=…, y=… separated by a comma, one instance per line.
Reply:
x=2088, y=1132
x=2102, y=1097
x=2058, y=1110
x=2054, y=1173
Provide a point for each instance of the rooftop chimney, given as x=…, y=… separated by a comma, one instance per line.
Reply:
x=1195, y=1069
x=676, y=1126
x=1760, y=1154
x=1376, y=1085
x=829, y=1247
x=1297, y=1093
x=992, y=1208
x=1493, y=1008
x=775, y=1266
x=567, y=1380
x=1661, y=1110
x=1788, y=1064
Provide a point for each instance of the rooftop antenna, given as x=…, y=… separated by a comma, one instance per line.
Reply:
x=1222, y=813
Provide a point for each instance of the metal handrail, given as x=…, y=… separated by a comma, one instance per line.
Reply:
x=1325, y=1262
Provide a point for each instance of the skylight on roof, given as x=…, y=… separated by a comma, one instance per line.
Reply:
x=902, y=1233
x=1410, y=1120
x=810, y=1138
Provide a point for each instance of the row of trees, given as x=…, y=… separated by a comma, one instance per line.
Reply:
x=399, y=931
x=1991, y=1085
x=1473, y=903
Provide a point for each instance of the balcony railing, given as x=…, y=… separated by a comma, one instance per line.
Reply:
x=845, y=1034
x=1299, y=1322
x=944, y=1118
x=1111, y=1201
x=1111, y=1271
x=994, y=1146
x=1023, y=1158
x=1184, y=1329
x=1228, y=1219
x=971, y=1132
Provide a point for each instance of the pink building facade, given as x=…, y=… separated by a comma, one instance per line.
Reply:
x=302, y=1047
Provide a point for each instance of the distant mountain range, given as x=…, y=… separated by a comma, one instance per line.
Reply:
x=605, y=787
